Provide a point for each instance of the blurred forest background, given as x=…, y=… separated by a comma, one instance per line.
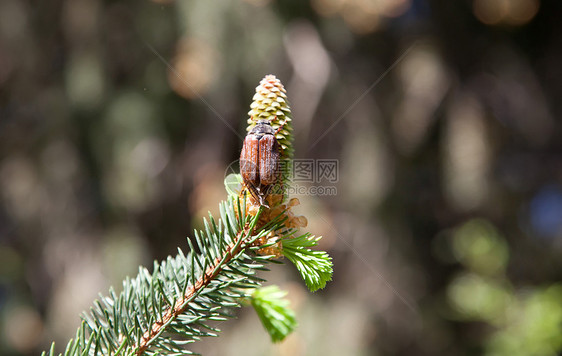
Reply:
x=118, y=120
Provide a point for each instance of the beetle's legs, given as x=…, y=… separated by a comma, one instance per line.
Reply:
x=262, y=192
x=254, y=193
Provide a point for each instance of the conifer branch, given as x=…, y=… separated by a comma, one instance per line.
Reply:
x=163, y=311
x=240, y=243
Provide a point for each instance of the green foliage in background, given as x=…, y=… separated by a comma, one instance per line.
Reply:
x=524, y=321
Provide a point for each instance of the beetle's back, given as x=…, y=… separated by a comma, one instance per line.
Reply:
x=268, y=159
x=249, y=159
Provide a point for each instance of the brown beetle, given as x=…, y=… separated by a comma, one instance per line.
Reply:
x=259, y=161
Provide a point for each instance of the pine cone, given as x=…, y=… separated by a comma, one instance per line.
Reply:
x=270, y=103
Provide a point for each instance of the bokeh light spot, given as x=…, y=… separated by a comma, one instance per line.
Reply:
x=194, y=68
x=478, y=246
x=509, y=12
x=546, y=212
